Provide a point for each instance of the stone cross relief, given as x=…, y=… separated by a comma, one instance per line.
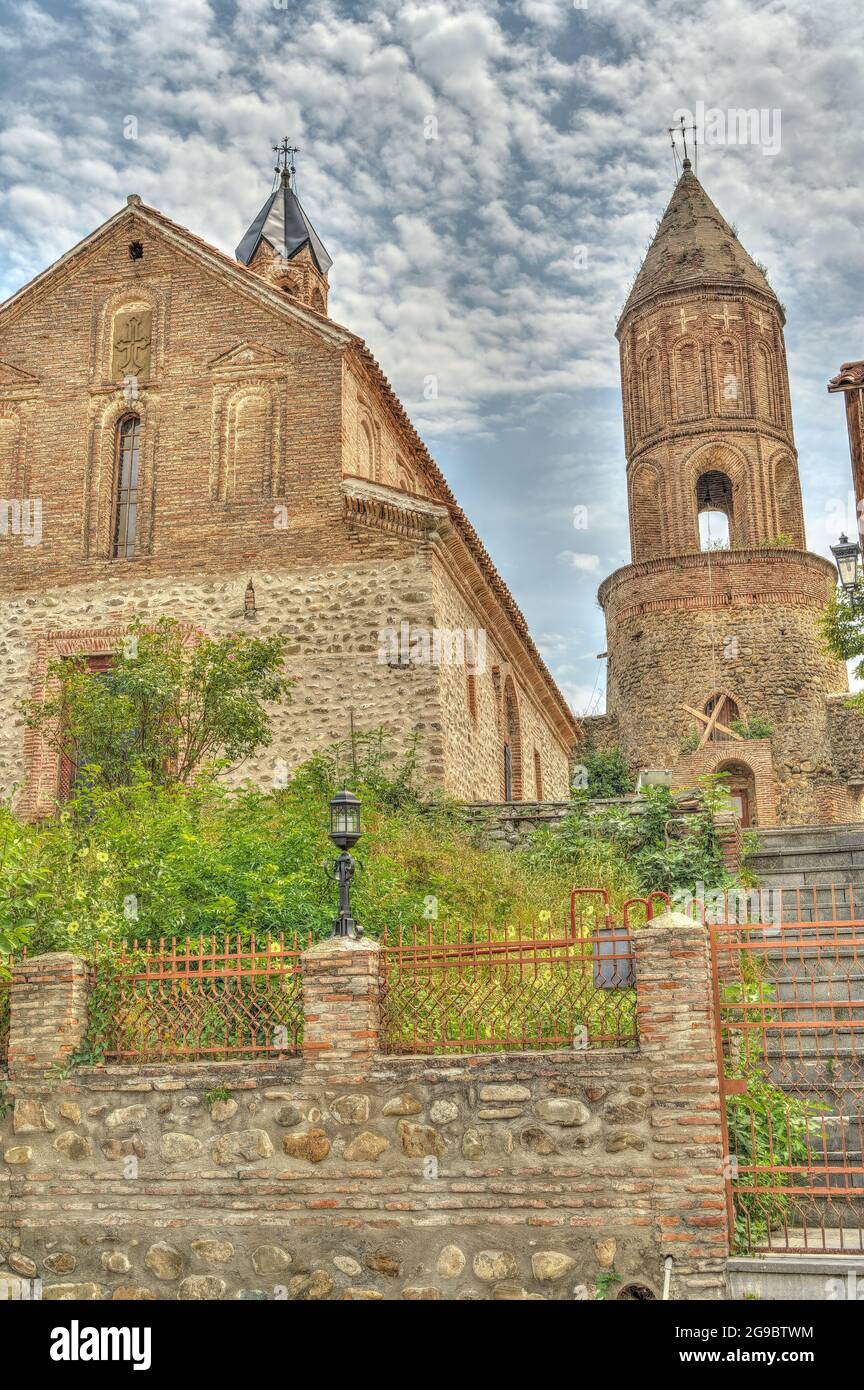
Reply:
x=131, y=355
x=727, y=317
x=684, y=318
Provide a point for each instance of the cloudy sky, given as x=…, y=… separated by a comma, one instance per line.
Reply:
x=486, y=177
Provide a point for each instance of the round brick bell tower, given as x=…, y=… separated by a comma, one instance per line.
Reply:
x=716, y=619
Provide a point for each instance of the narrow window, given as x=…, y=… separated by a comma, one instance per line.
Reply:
x=471, y=694
x=126, y=494
x=538, y=776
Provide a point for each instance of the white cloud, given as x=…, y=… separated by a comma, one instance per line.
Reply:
x=578, y=560
x=454, y=255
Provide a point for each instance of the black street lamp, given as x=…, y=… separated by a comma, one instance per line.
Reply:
x=846, y=555
x=345, y=832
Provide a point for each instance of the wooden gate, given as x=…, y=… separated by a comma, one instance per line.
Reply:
x=789, y=1009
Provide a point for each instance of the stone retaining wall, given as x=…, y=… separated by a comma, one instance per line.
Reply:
x=348, y=1174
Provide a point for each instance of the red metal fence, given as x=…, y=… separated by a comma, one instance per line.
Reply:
x=4, y=1019
x=789, y=1000
x=453, y=990
x=203, y=999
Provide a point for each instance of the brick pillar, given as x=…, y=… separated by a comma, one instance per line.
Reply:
x=341, y=1000
x=675, y=1004
x=48, y=1014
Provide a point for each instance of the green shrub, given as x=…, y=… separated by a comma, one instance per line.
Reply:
x=604, y=772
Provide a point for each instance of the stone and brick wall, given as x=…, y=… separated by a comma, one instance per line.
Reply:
x=255, y=415
x=743, y=622
x=351, y=1174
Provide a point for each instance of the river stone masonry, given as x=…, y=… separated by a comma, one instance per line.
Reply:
x=348, y=1174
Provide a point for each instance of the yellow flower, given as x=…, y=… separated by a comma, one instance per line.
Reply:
x=544, y=916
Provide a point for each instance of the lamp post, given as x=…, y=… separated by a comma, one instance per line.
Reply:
x=345, y=832
x=846, y=555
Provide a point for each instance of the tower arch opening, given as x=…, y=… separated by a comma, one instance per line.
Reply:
x=714, y=510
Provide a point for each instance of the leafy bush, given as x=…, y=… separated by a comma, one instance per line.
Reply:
x=148, y=860
x=605, y=772
x=648, y=843
x=173, y=704
x=843, y=633
x=754, y=727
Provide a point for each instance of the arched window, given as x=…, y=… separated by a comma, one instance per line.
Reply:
x=688, y=389
x=126, y=488
x=730, y=379
x=538, y=775
x=766, y=393
x=365, y=451
x=652, y=393
x=646, y=511
x=787, y=496
x=512, y=761
x=714, y=509
x=740, y=783
x=727, y=710
x=471, y=694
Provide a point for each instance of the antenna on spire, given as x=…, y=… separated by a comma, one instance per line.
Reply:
x=682, y=130
x=285, y=166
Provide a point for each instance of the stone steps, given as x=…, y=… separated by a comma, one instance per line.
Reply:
x=813, y=858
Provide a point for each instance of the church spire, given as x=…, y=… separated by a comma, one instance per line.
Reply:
x=281, y=244
x=694, y=247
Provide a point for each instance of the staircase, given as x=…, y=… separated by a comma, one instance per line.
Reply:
x=820, y=872
x=826, y=862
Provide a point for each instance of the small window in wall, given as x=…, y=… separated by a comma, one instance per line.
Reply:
x=538, y=775
x=126, y=488
x=471, y=694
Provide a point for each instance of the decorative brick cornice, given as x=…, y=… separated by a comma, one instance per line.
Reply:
x=393, y=511
x=719, y=562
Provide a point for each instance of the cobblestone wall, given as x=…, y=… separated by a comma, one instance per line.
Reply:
x=348, y=1174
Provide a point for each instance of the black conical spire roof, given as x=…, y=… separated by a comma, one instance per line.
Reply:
x=284, y=225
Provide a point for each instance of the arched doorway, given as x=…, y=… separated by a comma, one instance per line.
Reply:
x=512, y=750
x=740, y=783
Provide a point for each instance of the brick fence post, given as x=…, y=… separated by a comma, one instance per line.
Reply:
x=341, y=1000
x=675, y=1006
x=48, y=1014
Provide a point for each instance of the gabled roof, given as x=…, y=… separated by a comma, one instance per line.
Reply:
x=283, y=223
x=341, y=338
x=694, y=245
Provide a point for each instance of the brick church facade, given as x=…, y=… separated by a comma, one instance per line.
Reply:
x=204, y=441
x=701, y=637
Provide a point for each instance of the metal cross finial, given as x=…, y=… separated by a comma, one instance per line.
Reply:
x=681, y=130
x=285, y=153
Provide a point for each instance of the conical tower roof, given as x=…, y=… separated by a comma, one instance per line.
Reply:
x=694, y=245
x=283, y=223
